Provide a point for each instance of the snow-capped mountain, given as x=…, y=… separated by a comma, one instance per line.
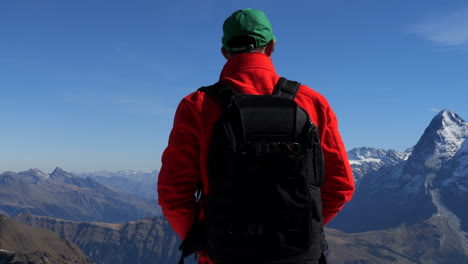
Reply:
x=366, y=160
x=428, y=182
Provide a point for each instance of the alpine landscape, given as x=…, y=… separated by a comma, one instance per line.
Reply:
x=409, y=207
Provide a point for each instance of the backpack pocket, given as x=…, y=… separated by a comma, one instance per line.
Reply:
x=292, y=232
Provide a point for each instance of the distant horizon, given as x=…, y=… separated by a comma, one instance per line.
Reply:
x=94, y=85
x=157, y=169
x=82, y=172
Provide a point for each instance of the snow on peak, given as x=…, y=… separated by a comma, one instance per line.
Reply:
x=441, y=140
x=33, y=175
x=364, y=155
x=39, y=173
x=452, y=133
x=359, y=156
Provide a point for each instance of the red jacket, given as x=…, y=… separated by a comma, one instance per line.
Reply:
x=184, y=161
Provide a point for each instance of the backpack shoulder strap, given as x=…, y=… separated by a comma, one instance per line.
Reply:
x=286, y=88
x=221, y=92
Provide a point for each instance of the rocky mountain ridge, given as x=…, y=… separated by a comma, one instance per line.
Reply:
x=22, y=244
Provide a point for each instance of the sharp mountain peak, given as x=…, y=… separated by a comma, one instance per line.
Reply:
x=443, y=138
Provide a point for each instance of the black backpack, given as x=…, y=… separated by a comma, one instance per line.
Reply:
x=265, y=170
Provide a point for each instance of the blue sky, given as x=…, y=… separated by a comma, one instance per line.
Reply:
x=93, y=85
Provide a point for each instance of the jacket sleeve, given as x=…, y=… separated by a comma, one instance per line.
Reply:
x=179, y=174
x=338, y=187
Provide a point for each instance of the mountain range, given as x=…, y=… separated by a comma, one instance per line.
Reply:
x=366, y=160
x=67, y=196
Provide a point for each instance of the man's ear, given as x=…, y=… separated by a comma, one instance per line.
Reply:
x=270, y=47
x=225, y=53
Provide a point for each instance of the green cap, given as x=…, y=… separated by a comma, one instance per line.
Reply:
x=247, y=23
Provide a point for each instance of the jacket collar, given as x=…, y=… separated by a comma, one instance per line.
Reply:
x=247, y=61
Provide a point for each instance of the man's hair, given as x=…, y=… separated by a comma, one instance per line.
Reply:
x=243, y=44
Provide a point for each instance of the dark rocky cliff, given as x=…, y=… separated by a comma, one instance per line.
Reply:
x=150, y=240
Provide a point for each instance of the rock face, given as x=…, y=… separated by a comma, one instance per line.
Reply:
x=24, y=244
x=64, y=195
x=150, y=240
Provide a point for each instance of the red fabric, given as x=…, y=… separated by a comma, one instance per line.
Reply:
x=184, y=160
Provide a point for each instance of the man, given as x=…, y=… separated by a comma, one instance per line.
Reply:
x=247, y=44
